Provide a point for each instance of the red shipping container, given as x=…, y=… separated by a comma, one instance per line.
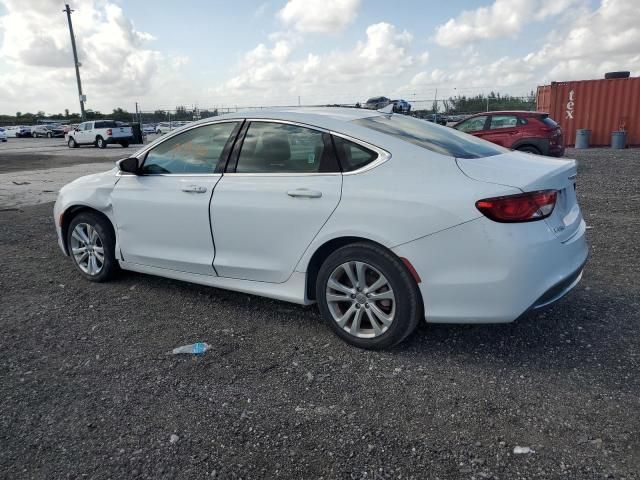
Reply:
x=602, y=106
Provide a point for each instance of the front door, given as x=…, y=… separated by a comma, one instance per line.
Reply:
x=162, y=214
x=286, y=185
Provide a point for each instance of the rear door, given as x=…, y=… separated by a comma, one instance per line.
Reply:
x=281, y=186
x=503, y=130
x=162, y=214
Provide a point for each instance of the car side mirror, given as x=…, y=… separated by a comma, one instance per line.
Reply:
x=129, y=165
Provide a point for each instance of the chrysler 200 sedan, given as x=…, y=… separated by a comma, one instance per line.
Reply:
x=381, y=219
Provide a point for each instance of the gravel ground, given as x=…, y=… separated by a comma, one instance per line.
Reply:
x=88, y=390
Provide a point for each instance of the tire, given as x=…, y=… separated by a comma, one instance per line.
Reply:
x=72, y=143
x=49, y=135
x=124, y=144
x=100, y=143
x=402, y=313
x=610, y=75
x=529, y=149
x=108, y=266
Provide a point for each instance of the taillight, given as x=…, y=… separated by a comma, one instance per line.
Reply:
x=523, y=207
x=108, y=131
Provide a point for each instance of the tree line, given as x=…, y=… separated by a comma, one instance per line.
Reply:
x=453, y=105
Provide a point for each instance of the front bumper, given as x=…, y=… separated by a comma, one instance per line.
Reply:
x=488, y=272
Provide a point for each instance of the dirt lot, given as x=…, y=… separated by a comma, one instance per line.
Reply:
x=88, y=390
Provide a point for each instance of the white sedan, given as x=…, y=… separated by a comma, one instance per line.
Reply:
x=381, y=219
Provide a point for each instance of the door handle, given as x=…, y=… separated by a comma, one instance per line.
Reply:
x=304, y=193
x=194, y=189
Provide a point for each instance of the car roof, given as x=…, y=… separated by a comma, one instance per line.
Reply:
x=323, y=117
x=509, y=112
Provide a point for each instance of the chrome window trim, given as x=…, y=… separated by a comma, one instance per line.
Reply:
x=285, y=174
x=126, y=174
x=383, y=155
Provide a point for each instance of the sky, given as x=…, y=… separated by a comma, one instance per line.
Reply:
x=246, y=53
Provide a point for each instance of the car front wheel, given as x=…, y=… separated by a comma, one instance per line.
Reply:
x=367, y=296
x=91, y=243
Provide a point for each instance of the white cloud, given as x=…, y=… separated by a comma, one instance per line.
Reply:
x=593, y=43
x=273, y=70
x=118, y=65
x=503, y=18
x=319, y=16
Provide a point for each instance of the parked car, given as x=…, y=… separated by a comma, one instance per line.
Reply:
x=148, y=128
x=382, y=219
x=436, y=118
x=401, y=106
x=532, y=132
x=3, y=135
x=99, y=133
x=18, y=131
x=377, y=103
x=166, y=127
x=48, y=131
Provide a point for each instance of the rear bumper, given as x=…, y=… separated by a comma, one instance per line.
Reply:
x=488, y=272
x=559, y=290
x=119, y=139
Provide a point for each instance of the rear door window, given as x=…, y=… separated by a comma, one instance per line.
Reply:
x=271, y=147
x=439, y=139
x=503, y=121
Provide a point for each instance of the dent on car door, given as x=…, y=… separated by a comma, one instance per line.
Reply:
x=162, y=213
x=279, y=190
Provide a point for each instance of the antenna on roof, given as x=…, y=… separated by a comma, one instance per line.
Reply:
x=387, y=109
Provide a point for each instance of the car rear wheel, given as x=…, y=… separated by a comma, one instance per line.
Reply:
x=367, y=296
x=100, y=143
x=124, y=144
x=49, y=135
x=529, y=149
x=91, y=244
x=72, y=143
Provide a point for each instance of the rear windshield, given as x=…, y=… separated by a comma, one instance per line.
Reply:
x=549, y=122
x=439, y=139
x=106, y=124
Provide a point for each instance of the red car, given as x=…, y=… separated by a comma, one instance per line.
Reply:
x=532, y=132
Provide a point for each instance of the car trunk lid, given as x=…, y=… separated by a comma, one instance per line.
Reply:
x=530, y=173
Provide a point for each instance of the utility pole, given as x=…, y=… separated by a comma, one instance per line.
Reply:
x=435, y=113
x=81, y=97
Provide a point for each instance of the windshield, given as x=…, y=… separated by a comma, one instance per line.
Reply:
x=443, y=140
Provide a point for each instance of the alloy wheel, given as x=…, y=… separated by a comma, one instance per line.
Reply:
x=87, y=249
x=360, y=299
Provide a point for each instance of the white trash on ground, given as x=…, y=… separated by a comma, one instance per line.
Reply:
x=193, y=349
x=521, y=450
